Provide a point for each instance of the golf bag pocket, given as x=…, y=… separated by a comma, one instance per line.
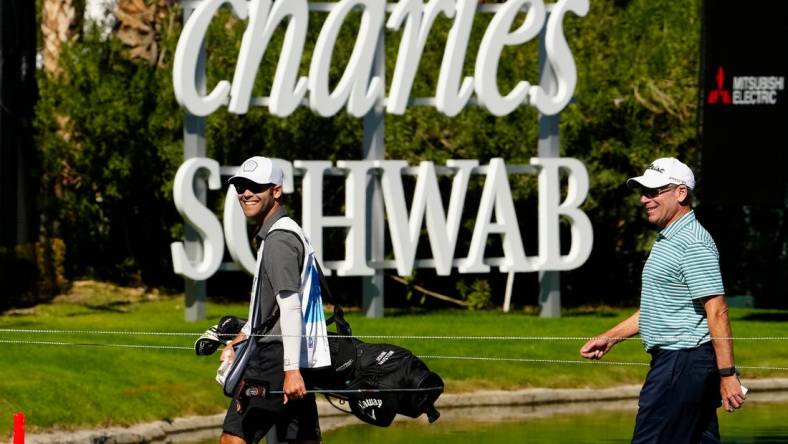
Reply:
x=390, y=367
x=243, y=351
x=378, y=409
x=342, y=370
x=378, y=381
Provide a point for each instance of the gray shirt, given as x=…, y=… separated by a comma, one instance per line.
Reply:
x=280, y=269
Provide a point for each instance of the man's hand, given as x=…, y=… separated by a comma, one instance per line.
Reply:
x=596, y=348
x=228, y=354
x=731, y=393
x=293, y=385
x=599, y=346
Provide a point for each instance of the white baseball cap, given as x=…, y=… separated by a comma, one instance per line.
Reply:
x=665, y=171
x=260, y=170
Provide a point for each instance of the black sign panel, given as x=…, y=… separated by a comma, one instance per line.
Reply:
x=743, y=87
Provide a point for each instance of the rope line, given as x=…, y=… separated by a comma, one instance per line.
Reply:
x=459, y=358
x=403, y=337
x=571, y=361
x=89, y=344
x=537, y=361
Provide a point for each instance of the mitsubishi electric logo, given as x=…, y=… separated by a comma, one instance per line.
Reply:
x=746, y=90
x=720, y=94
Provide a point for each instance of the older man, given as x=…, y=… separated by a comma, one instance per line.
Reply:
x=683, y=318
x=276, y=313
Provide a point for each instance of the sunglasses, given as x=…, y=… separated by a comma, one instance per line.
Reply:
x=651, y=193
x=242, y=185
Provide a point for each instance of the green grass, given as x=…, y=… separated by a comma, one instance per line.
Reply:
x=87, y=386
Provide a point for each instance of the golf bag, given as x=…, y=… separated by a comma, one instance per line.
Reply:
x=376, y=381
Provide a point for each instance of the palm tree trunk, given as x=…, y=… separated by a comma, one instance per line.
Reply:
x=58, y=23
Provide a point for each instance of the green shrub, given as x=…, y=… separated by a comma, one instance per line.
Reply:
x=109, y=139
x=17, y=276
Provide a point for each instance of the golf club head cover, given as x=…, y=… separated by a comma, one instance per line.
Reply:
x=208, y=342
x=229, y=326
x=218, y=335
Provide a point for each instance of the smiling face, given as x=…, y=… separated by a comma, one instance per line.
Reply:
x=664, y=205
x=258, y=202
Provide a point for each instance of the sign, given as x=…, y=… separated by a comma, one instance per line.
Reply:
x=357, y=89
x=747, y=90
x=745, y=105
x=496, y=215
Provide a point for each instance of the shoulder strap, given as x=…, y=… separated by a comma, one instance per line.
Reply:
x=268, y=324
x=338, y=318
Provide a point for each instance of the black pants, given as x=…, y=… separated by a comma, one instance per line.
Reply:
x=679, y=400
x=297, y=420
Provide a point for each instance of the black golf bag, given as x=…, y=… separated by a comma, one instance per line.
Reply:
x=376, y=381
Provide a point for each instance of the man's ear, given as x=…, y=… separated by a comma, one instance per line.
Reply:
x=277, y=192
x=684, y=195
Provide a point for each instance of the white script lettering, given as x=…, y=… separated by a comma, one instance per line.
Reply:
x=357, y=88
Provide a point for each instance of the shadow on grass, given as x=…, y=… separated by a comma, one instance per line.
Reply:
x=110, y=307
x=412, y=311
x=598, y=311
x=602, y=314
x=766, y=317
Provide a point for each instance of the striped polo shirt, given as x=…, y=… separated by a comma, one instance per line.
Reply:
x=683, y=268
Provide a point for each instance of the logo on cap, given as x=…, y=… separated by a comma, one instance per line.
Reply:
x=249, y=166
x=655, y=168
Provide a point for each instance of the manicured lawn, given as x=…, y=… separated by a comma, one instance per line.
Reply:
x=75, y=386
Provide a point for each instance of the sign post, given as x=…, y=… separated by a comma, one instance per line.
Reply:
x=548, y=146
x=194, y=146
x=374, y=148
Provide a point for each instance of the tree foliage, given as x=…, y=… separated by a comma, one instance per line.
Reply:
x=109, y=137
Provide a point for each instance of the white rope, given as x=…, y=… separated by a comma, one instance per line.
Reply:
x=88, y=344
x=401, y=337
x=96, y=332
x=459, y=358
x=565, y=361
x=761, y=368
x=538, y=361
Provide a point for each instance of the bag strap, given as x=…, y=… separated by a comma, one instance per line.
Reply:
x=268, y=324
x=338, y=318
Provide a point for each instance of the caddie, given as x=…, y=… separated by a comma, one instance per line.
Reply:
x=682, y=320
x=286, y=323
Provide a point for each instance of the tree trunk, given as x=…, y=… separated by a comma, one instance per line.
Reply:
x=58, y=20
x=18, y=94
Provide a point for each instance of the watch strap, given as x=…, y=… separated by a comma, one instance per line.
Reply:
x=728, y=371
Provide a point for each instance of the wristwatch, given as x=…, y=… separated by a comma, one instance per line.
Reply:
x=728, y=371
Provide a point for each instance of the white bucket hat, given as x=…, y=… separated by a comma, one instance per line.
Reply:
x=665, y=171
x=260, y=170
